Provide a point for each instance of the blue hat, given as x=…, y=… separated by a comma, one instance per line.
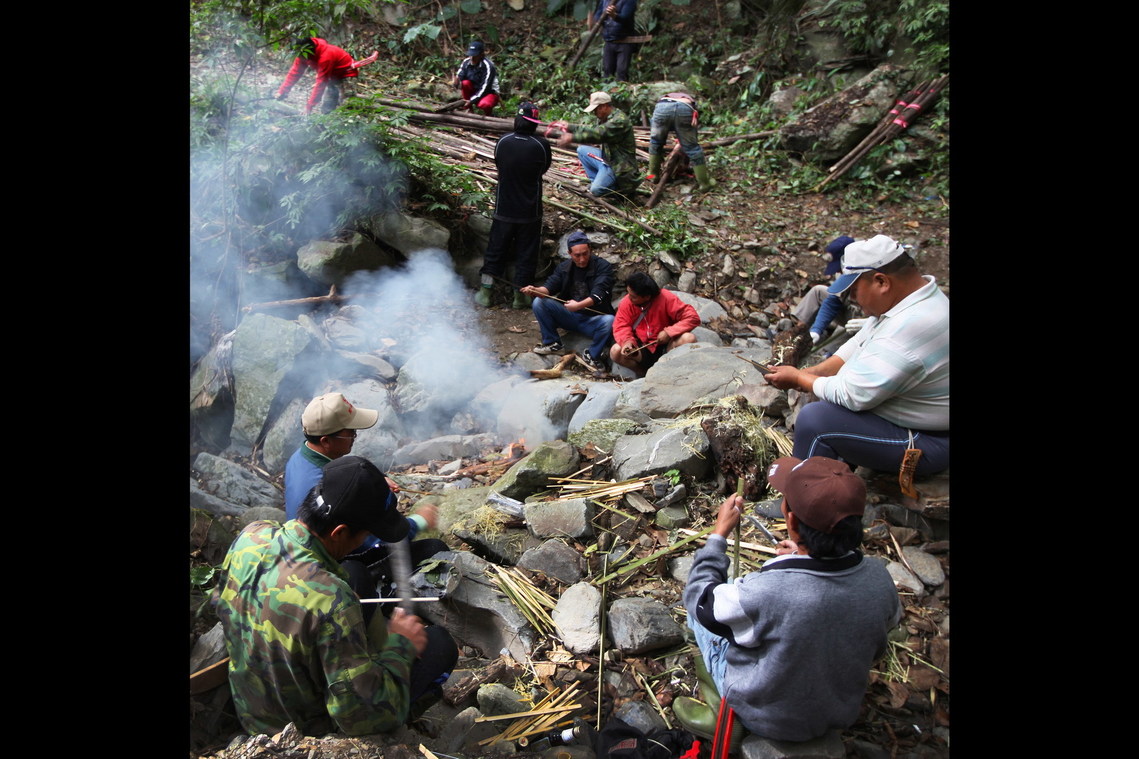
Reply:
x=577, y=238
x=836, y=247
x=476, y=48
x=862, y=256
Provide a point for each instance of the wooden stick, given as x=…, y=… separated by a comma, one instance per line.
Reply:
x=396, y=600
x=646, y=345
x=585, y=45
x=669, y=169
x=332, y=297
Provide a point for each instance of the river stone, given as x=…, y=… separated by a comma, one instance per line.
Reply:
x=639, y=625
x=554, y=519
x=265, y=349
x=555, y=458
x=603, y=433
x=696, y=373
x=683, y=448
x=554, y=559
x=577, y=616
x=926, y=567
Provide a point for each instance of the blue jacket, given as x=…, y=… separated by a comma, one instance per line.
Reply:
x=620, y=27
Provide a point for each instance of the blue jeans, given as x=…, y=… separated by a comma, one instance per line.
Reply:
x=865, y=439
x=714, y=649
x=672, y=116
x=597, y=327
x=602, y=179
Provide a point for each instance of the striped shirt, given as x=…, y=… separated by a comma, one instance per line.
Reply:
x=897, y=366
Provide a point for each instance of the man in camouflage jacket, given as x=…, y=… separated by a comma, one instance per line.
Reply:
x=299, y=648
x=615, y=170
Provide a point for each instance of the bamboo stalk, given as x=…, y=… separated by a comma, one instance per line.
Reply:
x=653, y=556
x=584, y=215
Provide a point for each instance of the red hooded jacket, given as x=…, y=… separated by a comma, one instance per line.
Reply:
x=330, y=62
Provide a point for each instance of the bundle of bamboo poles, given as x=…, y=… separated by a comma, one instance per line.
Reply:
x=551, y=712
x=534, y=603
x=904, y=112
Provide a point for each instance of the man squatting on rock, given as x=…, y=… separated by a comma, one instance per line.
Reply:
x=300, y=650
x=329, y=423
x=790, y=647
x=521, y=158
x=647, y=314
x=585, y=283
x=887, y=388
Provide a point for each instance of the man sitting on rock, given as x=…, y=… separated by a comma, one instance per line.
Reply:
x=300, y=650
x=329, y=423
x=648, y=323
x=886, y=390
x=789, y=647
x=582, y=288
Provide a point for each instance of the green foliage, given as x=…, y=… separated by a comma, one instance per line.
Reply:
x=278, y=21
x=201, y=576
x=877, y=27
x=427, y=30
x=673, y=476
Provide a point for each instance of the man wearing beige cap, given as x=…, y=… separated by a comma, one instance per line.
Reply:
x=789, y=648
x=615, y=170
x=330, y=422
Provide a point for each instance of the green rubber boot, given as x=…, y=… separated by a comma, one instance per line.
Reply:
x=482, y=297
x=654, y=167
x=703, y=178
x=696, y=716
x=708, y=690
x=700, y=719
x=521, y=300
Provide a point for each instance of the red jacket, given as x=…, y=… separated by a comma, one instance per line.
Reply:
x=664, y=312
x=330, y=62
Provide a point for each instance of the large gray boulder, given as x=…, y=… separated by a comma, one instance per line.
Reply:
x=332, y=263
x=696, y=373
x=265, y=349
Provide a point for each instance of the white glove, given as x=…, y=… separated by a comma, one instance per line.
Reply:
x=815, y=337
x=853, y=325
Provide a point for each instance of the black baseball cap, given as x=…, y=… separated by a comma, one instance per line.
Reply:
x=355, y=492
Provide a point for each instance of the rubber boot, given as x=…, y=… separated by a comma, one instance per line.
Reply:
x=708, y=690
x=654, y=167
x=700, y=719
x=521, y=300
x=482, y=297
x=696, y=716
x=703, y=178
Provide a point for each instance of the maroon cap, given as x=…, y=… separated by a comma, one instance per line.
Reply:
x=820, y=491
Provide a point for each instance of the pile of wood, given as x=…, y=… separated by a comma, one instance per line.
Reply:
x=902, y=115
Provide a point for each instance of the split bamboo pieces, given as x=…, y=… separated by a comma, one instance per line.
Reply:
x=598, y=490
x=531, y=601
x=546, y=715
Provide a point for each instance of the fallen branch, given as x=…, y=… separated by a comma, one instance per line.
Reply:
x=665, y=176
x=332, y=297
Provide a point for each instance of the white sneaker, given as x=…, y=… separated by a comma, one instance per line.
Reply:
x=546, y=349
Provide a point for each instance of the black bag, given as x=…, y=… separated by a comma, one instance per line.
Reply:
x=620, y=740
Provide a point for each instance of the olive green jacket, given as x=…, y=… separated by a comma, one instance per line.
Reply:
x=299, y=650
x=618, y=146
